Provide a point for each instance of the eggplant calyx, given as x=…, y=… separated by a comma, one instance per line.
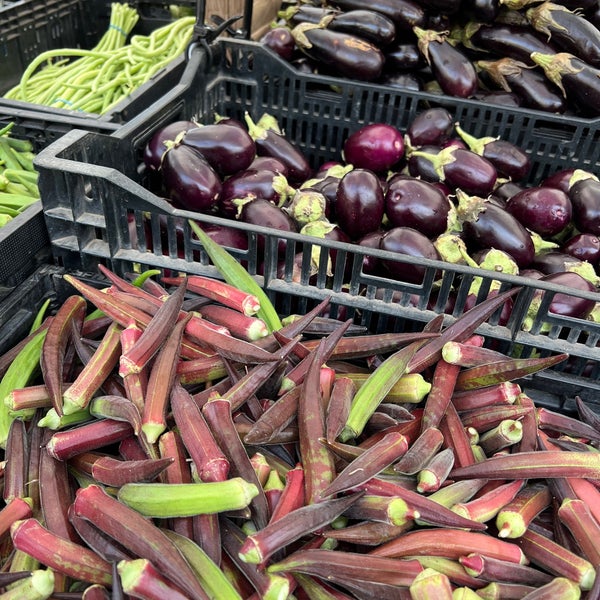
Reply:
x=283, y=188
x=467, y=32
x=586, y=270
x=299, y=34
x=580, y=175
x=426, y=37
x=540, y=245
x=306, y=206
x=288, y=13
x=318, y=229
x=499, y=262
x=475, y=144
x=594, y=316
x=438, y=160
x=541, y=18
x=260, y=129
x=555, y=66
x=515, y=4
x=241, y=202
x=452, y=249
x=469, y=207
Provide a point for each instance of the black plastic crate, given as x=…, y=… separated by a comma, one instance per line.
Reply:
x=97, y=209
x=30, y=27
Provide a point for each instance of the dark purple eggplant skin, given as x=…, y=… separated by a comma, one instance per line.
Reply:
x=498, y=97
x=445, y=7
x=508, y=159
x=264, y=213
x=278, y=146
x=377, y=147
x=403, y=57
x=366, y=24
x=506, y=190
x=360, y=203
x=470, y=172
x=404, y=81
x=582, y=86
x=343, y=54
x=494, y=227
x=228, y=237
x=419, y=166
x=404, y=13
x=371, y=240
x=405, y=240
x=583, y=246
x=531, y=85
x=227, y=148
x=561, y=180
x=567, y=305
x=510, y=41
x=268, y=163
x=452, y=69
x=412, y=202
x=585, y=198
x=281, y=41
x=156, y=147
x=328, y=186
x=568, y=30
x=545, y=210
x=190, y=180
x=554, y=261
x=255, y=183
x=431, y=126
x=483, y=11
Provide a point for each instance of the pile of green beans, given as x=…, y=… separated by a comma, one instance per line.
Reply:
x=18, y=178
x=95, y=80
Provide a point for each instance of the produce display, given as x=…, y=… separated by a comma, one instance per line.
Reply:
x=153, y=452
x=539, y=55
x=433, y=192
x=95, y=80
x=18, y=177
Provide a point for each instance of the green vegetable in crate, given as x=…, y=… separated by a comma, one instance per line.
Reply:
x=95, y=80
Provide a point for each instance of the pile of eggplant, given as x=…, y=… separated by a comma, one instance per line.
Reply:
x=543, y=55
x=432, y=192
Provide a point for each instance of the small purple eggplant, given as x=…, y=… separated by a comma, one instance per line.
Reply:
x=579, y=81
x=561, y=179
x=487, y=225
x=568, y=30
x=360, y=203
x=430, y=126
x=585, y=198
x=331, y=232
x=482, y=11
x=404, y=13
x=227, y=148
x=583, y=246
x=404, y=57
x=371, y=240
x=281, y=41
x=508, y=158
x=161, y=139
x=404, y=81
x=545, y=210
x=567, y=305
x=377, y=147
x=463, y=169
x=410, y=242
x=412, y=202
x=505, y=190
x=190, y=180
x=556, y=261
x=253, y=183
x=453, y=71
x=270, y=141
x=268, y=163
x=344, y=54
x=420, y=165
x=228, y=237
x=533, y=87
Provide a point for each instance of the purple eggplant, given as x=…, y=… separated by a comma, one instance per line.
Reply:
x=404, y=81
x=487, y=225
x=190, y=180
x=412, y=202
x=404, y=57
x=532, y=86
x=268, y=163
x=555, y=261
x=505, y=190
x=430, y=126
x=227, y=148
x=565, y=304
x=463, y=169
x=561, y=179
x=158, y=143
x=407, y=241
x=281, y=41
x=508, y=158
x=253, y=183
x=264, y=213
x=371, y=240
x=583, y=246
x=568, y=30
x=510, y=41
x=270, y=141
x=579, y=81
x=585, y=198
x=545, y=210
x=228, y=237
x=360, y=203
x=453, y=71
x=498, y=97
x=445, y=7
x=483, y=11
x=377, y=147
x=344, y=54
x=331, y=232
x=420, y=164
x=404, y=13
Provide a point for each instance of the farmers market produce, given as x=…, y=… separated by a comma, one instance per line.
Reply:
x=474, y=49
x=434, y=192
x=95, y=80
x=18, y=177
x=326, y=498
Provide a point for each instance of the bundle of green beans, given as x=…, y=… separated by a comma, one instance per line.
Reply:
x=18, y=178
x=95, y=80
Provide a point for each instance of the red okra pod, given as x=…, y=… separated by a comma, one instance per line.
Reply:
x=368, y=533
x=66, y=322
x=487, y=417
x=501, y=393
x=307, y=519
x=560, y=423
x=386, y=509
x=292, y=495
x=495, y=569
x=113, y=472
x=421, y=451
x=440, y=394
x=17, y=462
x=15, y=509
x=140, y=579
x=242, y=326
x=579, y=520
x=209, y=459
x=138, y=535
x=338, y=407
x=468, y=355
x=434, y=475
x=60, y=554
x=456, y=438
x=117, y=408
